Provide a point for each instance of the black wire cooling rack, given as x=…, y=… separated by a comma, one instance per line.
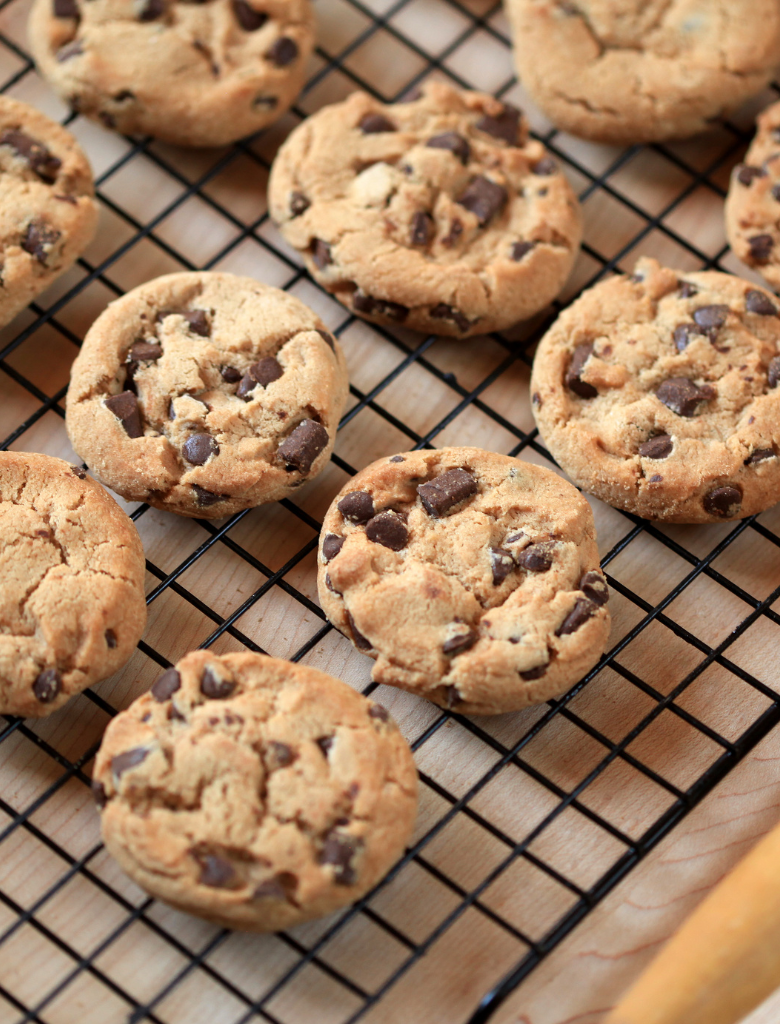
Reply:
x=77, y=940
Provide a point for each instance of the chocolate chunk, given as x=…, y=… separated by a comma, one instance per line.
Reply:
x=283, y=52
x=165, y=687
x=263, y=372
x=247, y=17
x=682, y=396
x=776, y=192
x=536, y=558
x=370, y=305
x=45, y=164
x=687, y=290
x=723, y=502
x=397, y=458
x=300, y=448
x=230, y=374
x=280, y=887
x=545, y=166
x=451, y=238
x=421, y=229
x=141, y=351
x=65, y=9
x=129, y=759
x=329, y=585
x=759, y=302
x=281, y=754
x=47, y=686
x=502, y=564
x=594, y=586
x=299, y=203
x=452, y=697
x=453, y=142
x=484, y=198
x=110, y=637
x=340, y=851
x=379, y=712
x=450, y=489
x=388, y=529
x=357, y=506
x=205, y=498
x=152, y=10
x=658, y=447
x=520, y=249
x=212, y=686
x=445, y=312
x=99, y=794
x=572, y=378
x=773, y=372
x=533, y=673
x=682, y=335
x=216, y=872
x=583, y=610
x=38, y=240
x=79, y=472
x=759, y=455
x=325, y=743
x=761, y=248
x=747, y=174
x=67, y=52
x=198, y=449
x=361, y=642
x=711, y=317
x=320, y=253
x=504, y=126
x=373, y=124
x=331, y=546
x=125, y=407
x=197, y=320
x=462, y=642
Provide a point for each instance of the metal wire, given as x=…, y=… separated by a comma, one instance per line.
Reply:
x=78, y=958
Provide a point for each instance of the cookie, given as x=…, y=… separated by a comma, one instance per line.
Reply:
x=72, y=603
x=657, y=392
x=635, y=71
x=204, y=394
x=471, y=578
x=753, y=201
x=254, y=792
x=438, y=213
x=194, y=74
x=48, y=213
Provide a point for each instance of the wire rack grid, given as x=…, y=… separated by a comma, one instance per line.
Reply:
x=527, y=821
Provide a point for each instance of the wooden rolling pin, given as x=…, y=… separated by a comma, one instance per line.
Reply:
x=725, y=959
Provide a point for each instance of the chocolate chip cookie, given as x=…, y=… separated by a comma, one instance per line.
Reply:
x=254, y=792
x=48, y=213
x=205, y=394
x=195, y=74
x=657, y=392
x=472, y=578
x=637, y=71
x=753, y=201
x=72, y=596
x=438, y=213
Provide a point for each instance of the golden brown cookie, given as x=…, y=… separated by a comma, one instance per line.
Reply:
x=254, y=792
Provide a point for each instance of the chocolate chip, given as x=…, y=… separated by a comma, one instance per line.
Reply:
x=65, y=9
x=329, y=585
x=197, y=320
x=110, y=636
x=533, y=673
x=141, y=351
x=320, y=253
x=325, y=743
x=445, y=312
x=682, y=396
x=167, y=684
x=504, y=126
x=776, y=192
x=484, y=198
x=283, y=52
x=300, y=448
x=357, y=506
x=216, y=872
x=212, y=686
x=711, y=317
x=280, y=887
x=79, y=472
x=462, y=642
x=299, y=203
x=687, y=290
x=372, y=306
x=230, y=374
x=451, y=238
x=452, y=697
x=340, y=851
x=658, y=447
x=99, y=794
x=379, y=712
x=450, y=489
x=761, y=248
x=421, y=229
x=723, y=502
x=373, y=124
x=594, y=586
x=389, y=530
x=263, y=372
x=129, y=759
x=152, y=10
x=45, y=164
x=502, y=564
x=453, y=142
x=397, y=458
x=520, y=249
x=536, y=558
x=331, y=546
x=247, y=17
x=361, y=642
x=759, y=302
x=67, y=52
x=38, y=240
x=583, y=610
x=545, y=166
x=682, y=335
x=746, y=174
x=281, y=754
x=773, y=372
x=759, y=455
x=329, y=340
x=47, y=686
x=125, y=407
x=205, y=498
x=198, y=449
x=572, y=378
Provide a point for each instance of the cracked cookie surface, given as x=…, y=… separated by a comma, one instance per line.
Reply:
x=254, y=792
x=195, y=74
x=472, y=578
x=72, y=566
x=658, y=392
x=48, y=213
x=205, y=393
x=438, y=213
x=639, y=71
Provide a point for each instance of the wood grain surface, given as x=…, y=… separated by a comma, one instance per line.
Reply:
x=506, y=845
